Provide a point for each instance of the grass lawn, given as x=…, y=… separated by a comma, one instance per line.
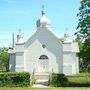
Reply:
x=51, y=88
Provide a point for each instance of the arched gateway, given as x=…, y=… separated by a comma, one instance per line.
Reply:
x=43, y=64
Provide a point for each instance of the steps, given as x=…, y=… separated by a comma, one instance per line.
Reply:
x=42, y=80
x=41, y=76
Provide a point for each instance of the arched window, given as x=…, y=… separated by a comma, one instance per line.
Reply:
x=43, y=57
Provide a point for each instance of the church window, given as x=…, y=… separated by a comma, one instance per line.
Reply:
x=43, y=57
x=43, y=45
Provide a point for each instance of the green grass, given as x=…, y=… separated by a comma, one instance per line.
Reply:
x=82, y=74
x=79, y=79
x=51, y=88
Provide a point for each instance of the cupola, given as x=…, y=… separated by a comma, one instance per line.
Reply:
x=20, y=38
x=67, y=38
x=43, y=21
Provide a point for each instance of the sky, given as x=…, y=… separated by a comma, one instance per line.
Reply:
x=23, y=14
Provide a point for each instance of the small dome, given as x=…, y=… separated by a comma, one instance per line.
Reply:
x=43, y=21
x=20, y=37
x=67, y=38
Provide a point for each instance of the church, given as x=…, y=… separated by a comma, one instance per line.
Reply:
x=44, y=52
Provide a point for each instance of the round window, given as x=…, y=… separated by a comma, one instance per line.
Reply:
x=43, y=45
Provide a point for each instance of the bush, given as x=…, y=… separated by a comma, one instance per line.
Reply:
x=14, y=79
x=59, y=80
x=79, y=81
x=88, y=69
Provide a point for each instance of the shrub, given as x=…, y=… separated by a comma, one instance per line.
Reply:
x=59, y=80
x=79, y=81
x=14, y=79
x=88, y=69
x=32, y=80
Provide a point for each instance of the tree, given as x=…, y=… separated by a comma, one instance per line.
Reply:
x=84, y=33
x=4, y=59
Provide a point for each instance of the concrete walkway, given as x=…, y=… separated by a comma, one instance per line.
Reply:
x=41, y=83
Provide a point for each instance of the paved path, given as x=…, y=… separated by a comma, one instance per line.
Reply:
x=41, y=83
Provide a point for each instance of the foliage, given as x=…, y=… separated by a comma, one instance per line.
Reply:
x=32, y=80
x=84, y=20
x=4, y=59
x=79, y=81
x=83, y=35
x=14, y=79
x=59, y=80
x=89, y=69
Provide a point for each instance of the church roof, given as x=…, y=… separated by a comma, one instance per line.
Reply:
x=43, y=24
x=29, y=41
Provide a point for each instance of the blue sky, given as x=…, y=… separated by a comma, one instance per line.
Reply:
x=15, y=14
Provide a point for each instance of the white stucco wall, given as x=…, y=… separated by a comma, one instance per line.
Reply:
x=61, y=57
x=19, y=61
x=19, y=49
x=75, y=58
x=12, y=62
x=70, y=60
x=53, y=50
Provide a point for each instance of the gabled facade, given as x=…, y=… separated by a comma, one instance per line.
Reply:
x=44, y=52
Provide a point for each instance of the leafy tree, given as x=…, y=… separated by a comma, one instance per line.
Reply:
x=84, y=33
x=4, y=59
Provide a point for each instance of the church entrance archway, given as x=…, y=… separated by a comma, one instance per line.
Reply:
x=43, y=64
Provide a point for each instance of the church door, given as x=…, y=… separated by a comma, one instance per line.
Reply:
x=43, y=64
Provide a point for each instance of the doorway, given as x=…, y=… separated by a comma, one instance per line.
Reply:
x=43, y=64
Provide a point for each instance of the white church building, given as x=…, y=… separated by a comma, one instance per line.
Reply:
x=43, y=52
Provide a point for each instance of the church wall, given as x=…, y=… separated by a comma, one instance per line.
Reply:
x=67, y=47
x=70, y=61
x=19, y=61
x=53, y=50
x=67, y=63
x=19, y=47
x=12, y=62
x=76, y=61
x=33, y=54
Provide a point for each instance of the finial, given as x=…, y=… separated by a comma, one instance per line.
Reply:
x=42, y=7
x=66, y=33
x=66, y=30
x=43, y=11
x=19, y=30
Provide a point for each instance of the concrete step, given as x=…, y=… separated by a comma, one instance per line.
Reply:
x=41, y=76
x=41, y=83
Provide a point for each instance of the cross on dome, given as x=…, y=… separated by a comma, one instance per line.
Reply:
x=43, y=10
x=19, y=30
x=43, y=21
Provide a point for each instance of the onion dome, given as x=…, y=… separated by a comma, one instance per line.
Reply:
x=43, y=21
x=20, y=38
x=67, y=38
